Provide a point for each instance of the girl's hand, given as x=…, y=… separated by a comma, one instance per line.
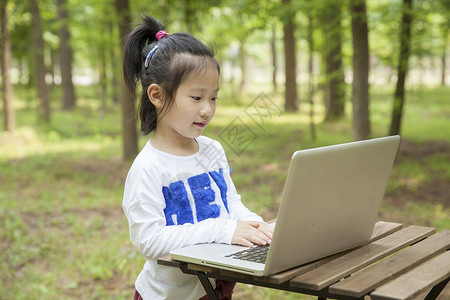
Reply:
x=267, y=230
x=248, y=233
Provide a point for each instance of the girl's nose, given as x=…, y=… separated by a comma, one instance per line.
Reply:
x=206, y=109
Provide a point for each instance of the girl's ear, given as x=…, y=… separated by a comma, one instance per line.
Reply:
x=154, y=93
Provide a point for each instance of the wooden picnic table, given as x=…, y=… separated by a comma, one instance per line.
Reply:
x=397, y=263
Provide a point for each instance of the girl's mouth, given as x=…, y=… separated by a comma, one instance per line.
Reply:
x=201, y=124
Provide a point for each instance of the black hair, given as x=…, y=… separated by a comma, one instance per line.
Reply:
x=177, y=57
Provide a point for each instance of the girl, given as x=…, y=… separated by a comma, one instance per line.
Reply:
x=178, y=191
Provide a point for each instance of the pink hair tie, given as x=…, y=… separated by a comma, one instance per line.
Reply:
x=161, y=34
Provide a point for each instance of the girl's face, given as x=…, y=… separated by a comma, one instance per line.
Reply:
x=193, y=107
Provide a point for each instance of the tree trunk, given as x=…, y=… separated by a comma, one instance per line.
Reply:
x=360, y=86
x=273, y=50
x=444, y=56
x=311, y=77
x=129, y=131
x=114, y=67
x=405, y=41
x=102, y=81
x=65, y=54
x=114, y=75
x=291, y=96
x=242, y=65
x=39, y=64
x=53, y=54
x=334, y=73
x=103, y=67
x=8, y=109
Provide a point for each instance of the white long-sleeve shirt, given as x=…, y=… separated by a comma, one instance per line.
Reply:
x=175, y=201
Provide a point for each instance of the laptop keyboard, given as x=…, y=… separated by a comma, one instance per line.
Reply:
x=257, y=254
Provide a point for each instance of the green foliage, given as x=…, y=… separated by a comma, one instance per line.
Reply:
x=237, y=30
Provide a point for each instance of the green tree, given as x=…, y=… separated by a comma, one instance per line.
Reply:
x=290, y=58
x=21, y=38
x=443, y=6
x=39, y=64
x=310, y=38
x=129, y=131
x=384, y=23
x=405, y=42
x=445, y=37
x=9, y=118
x=66, y=57
x=273, y=52
x=101, y=47
x=331, y=15
x=360, y=86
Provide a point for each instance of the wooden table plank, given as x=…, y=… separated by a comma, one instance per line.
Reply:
x=417, y=281
x=376, y=275
x=360, y=258
x=381, y=229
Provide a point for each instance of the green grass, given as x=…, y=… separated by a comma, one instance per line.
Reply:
x=64, y=234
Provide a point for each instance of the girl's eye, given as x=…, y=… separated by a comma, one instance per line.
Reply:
x=196, y=98
x=214, y=99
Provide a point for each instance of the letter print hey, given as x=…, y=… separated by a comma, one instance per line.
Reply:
x=198, y=198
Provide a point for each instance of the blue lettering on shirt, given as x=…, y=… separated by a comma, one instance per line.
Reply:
x=203, y=195
x=220, y=181
x=177, y=201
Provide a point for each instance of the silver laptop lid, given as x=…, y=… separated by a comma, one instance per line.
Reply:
x=330, y=201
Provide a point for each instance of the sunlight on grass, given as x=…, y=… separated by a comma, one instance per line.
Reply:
x=411, y=175
x=426, y=214
x=441, y=164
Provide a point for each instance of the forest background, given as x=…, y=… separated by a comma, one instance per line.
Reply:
x=294, y=75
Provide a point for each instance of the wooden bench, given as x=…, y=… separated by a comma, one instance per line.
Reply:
x=397, y=263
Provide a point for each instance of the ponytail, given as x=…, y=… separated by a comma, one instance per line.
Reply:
x=137, y=41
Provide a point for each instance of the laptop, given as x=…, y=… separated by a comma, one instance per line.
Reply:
x=329, y=204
